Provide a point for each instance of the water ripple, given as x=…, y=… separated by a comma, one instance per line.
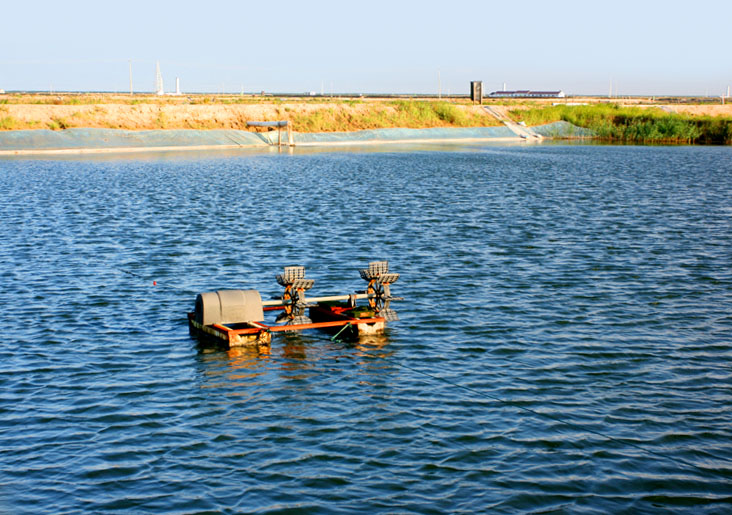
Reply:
x=564, y=346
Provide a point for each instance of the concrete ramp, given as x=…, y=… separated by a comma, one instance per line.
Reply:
x=519, y=130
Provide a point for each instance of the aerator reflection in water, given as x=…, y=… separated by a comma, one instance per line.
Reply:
x=237, y=317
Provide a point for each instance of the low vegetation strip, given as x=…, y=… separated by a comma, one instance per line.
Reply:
x=611, y=122
x=305, y=116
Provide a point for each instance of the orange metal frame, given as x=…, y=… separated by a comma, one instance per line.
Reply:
x=299, y=327
x=293, y=327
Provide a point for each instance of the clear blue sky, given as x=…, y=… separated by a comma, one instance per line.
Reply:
x=582, y=47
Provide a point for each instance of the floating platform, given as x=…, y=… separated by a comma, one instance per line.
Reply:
x=237, y=317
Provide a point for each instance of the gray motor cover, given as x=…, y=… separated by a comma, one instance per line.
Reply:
x=229, y=307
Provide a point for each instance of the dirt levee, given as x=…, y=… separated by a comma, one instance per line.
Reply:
x=306, y=115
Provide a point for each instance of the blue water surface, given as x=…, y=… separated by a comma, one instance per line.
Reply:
x=564, y=344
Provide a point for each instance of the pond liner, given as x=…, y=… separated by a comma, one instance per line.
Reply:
x=79, y=141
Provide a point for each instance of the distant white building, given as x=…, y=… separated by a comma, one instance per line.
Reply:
x=525, y=93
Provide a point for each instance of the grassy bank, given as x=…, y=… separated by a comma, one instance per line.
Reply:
x=207, y=112
x=612, y=122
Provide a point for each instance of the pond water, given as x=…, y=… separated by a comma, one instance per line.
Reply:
x=564, y=343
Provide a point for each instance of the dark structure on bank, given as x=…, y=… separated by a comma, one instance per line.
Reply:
x=476, y=91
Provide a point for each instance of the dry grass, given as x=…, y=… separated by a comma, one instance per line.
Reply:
x=230, y=112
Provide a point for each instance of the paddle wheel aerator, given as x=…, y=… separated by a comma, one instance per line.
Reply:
x=236, y=317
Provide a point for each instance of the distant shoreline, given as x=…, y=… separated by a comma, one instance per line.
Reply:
x=316, y=114
x=198, y=118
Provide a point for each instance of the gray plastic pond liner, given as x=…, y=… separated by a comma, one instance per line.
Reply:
x=115, y=139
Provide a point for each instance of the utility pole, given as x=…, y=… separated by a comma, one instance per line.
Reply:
x=130, y=77
x=439, y=85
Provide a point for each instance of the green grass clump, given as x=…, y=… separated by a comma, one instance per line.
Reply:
x=450, y=114
x=438, y=114
x=161, y=122
x=633, y=124
x=415, y=112
x=399, y=113
x=715, y=130
x=59, y=123
x=8, y=123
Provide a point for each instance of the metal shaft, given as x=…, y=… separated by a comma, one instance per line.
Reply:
x=331, y=298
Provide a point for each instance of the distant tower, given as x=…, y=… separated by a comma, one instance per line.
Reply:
x=177, y=85
x=158, y=80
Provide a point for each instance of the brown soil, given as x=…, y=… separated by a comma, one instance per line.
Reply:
x=702, y=110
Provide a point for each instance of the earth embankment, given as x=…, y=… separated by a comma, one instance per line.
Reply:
x=205, y=113
x=80, y=122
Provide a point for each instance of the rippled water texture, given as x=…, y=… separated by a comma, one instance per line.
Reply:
x=564, y=345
